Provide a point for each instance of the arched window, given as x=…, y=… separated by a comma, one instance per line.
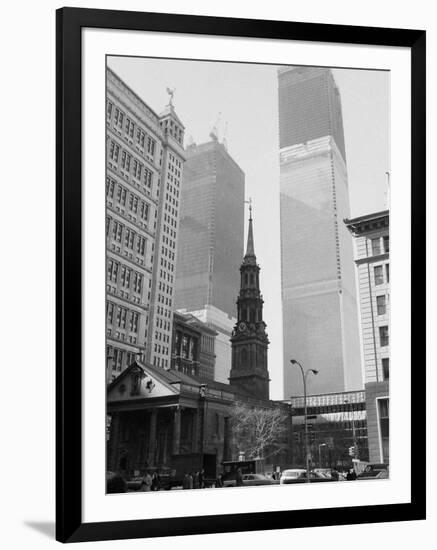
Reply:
x=244, y=357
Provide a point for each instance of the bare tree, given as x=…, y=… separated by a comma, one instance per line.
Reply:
x=257, y=431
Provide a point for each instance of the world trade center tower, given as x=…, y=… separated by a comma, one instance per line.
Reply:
x=320, y=318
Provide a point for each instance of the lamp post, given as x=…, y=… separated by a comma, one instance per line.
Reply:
x=320, y=453
x=354, y=437
x=304, y=379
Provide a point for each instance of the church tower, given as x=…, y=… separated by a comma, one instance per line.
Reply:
x=249, y=338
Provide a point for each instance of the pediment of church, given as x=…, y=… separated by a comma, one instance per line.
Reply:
x=139, y=382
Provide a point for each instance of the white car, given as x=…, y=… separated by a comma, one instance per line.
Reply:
x=288, y=476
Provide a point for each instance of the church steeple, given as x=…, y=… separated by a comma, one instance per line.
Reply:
x=249, y=338
x=250, y=250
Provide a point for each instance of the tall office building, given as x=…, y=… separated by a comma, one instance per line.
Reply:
x=145, y=158
x=320, y=320
x=372, y=248
x=210, y=243
x=211, y=234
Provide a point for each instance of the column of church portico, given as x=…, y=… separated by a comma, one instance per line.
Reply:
x=196, y=429
x=152, y=438
x=113, y=441
x=176, y=431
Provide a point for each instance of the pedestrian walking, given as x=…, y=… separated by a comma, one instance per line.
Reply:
x=239, y=478
x=146, y=483
x=202, y=479
x=156, y=482
x=196, y=483
x=190, y=480
x=219, y=482
x=185, y=482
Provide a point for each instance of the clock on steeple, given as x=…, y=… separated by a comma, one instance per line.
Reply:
x=249, y=338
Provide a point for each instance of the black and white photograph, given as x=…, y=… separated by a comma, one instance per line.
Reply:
x=247, y=274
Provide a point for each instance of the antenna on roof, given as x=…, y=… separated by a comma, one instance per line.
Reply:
x=387, y=192
x=225, y=137
x=215, y=129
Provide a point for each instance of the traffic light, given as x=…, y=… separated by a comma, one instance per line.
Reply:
x=352, y=450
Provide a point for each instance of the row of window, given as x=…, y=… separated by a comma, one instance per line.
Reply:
x=124, y=198
x=160, y=362
x=126, y=276
x=165, y=275
x=126, y=236
x=379, y=274
x=165, y=288
x=133, y=131
x=130, y=164
x=117, y=358
x=122, y=317
x=380, y=245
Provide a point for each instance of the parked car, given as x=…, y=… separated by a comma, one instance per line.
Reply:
x=250, y=480
x=300, y=476
x=374, y=471
x=258, y=479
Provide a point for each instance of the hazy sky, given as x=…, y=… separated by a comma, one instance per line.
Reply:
x=246, y=97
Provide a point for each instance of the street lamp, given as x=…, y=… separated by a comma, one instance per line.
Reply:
x=304, y=379
x=354, y=437
x=320, y=453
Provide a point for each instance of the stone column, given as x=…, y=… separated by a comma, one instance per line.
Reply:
x=176, y=431
x=152, y=438
x=113, y=442
x=196, y=427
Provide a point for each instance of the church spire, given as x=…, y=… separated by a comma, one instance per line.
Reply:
x=250, y=250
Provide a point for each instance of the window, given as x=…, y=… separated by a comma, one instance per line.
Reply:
x=137, y=169
x=381, y=304
x=112, y=271
x=110, y=311
x=383, y=336
x=138, y=281
x=110, y=186
x=386, y=368
x=125, y=276
x=151, y=146
x=144, y=211
x=118, y=359
x=125, y=161
x=129, y=127
x=141, y=245
x=122, y=199
x=117, y=231
x=147, y=177
x=376, y=246
x=129, y=239
x=140, y=137
x=119, y=116
x=386, y=241
x=379, y=277
x=109, y=107
x=134, y=322
x=387, y=272
x=121, y=317
x=114, y=150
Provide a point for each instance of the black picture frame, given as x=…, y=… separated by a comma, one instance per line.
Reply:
x=69, y=23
